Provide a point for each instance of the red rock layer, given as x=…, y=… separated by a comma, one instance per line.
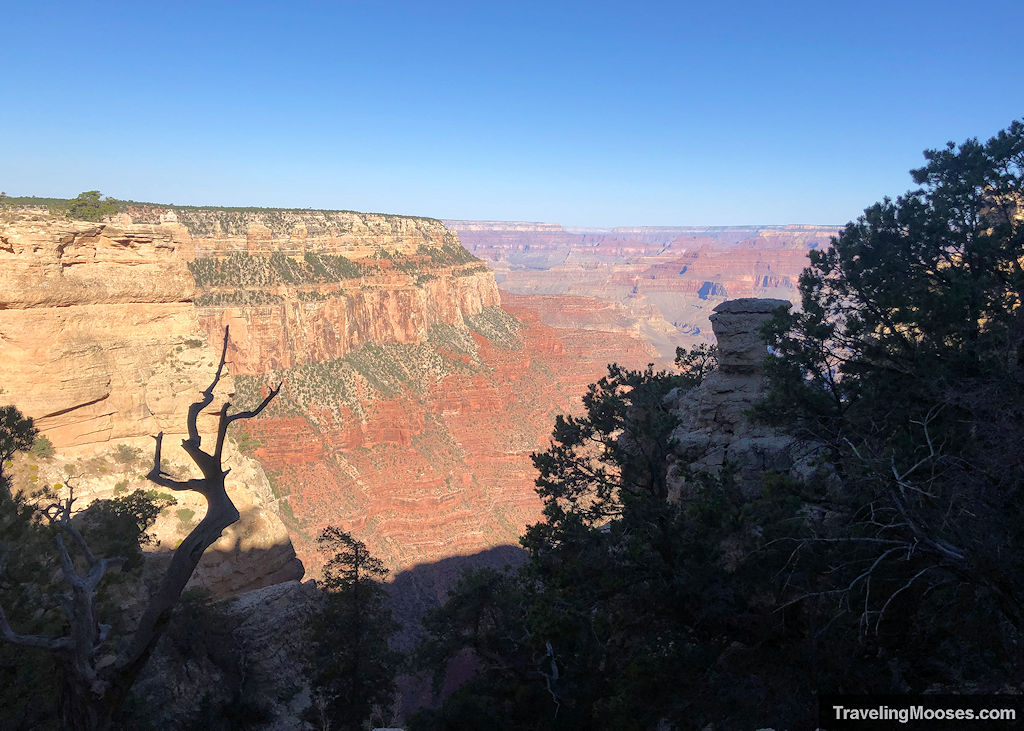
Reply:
x=446, y=472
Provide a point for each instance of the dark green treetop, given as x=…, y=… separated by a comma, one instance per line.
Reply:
x=91, y=206
x=351, y=665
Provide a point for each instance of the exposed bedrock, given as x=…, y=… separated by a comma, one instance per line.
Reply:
x=715, y=430
x=100, y=344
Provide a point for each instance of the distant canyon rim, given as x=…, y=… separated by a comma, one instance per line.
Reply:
x=660, y=282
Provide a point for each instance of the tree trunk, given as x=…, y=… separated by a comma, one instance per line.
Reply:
x=80, y=708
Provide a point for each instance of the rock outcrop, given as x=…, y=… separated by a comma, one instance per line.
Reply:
x=101, y=345
x=242, y=657
x=98, y=338
x=299, y=328
x=715, y=430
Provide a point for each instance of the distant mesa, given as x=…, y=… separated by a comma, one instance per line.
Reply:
x=711, y=289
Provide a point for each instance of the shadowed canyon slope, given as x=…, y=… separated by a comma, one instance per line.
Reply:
x=659, y=282
x=413, y=393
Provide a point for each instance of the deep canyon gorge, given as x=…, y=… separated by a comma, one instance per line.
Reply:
x=415, y=387
x=422, y=362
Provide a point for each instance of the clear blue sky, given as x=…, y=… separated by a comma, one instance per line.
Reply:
x=591, y=113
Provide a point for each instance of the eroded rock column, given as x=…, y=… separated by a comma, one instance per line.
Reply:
x=737, y=327
x=715, y=432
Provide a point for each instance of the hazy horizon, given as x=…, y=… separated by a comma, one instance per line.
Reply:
x=569, y=228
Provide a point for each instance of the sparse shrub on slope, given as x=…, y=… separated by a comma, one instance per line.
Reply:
x=241, y=269
x=498, y=326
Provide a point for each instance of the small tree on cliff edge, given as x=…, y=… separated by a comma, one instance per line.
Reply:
x=95, y=676
x=17, y=434
x=352, y=667
x=91, y=206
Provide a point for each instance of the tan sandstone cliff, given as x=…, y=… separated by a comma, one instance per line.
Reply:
x=100, y=344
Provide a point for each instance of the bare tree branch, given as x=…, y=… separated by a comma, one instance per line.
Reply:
x=99, y=692
x=263, y=404
x=914, y=578
x=226, y=422
x=159, y=477
x=221, y=513
x=46, y=643
x=207, y=396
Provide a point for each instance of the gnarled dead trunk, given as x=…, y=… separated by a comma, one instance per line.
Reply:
x=90, y=695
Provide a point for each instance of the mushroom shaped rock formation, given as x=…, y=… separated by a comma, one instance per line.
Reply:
x=714, y=429
x=737, y=328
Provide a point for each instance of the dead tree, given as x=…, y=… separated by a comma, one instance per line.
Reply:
x=92, y=692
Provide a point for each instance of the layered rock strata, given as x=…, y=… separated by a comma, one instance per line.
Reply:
x=436, y=462
x=98, y=338
x=666, y=280
x=100, y=344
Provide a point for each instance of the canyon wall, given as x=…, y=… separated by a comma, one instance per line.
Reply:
x=414, y=392
x=665, y=281
x=100, y=344
x=91, y=316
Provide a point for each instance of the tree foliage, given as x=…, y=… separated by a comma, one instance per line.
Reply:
x=17, y=434
x=30, y=594
x=351, y=666
x=91, y=206
x=27, y=676
x=616, y=450
x=906, y=363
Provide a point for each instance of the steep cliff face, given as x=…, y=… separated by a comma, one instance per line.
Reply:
x=99, y=337
x=300, y=317
x=423, y=451
x=100, y=344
